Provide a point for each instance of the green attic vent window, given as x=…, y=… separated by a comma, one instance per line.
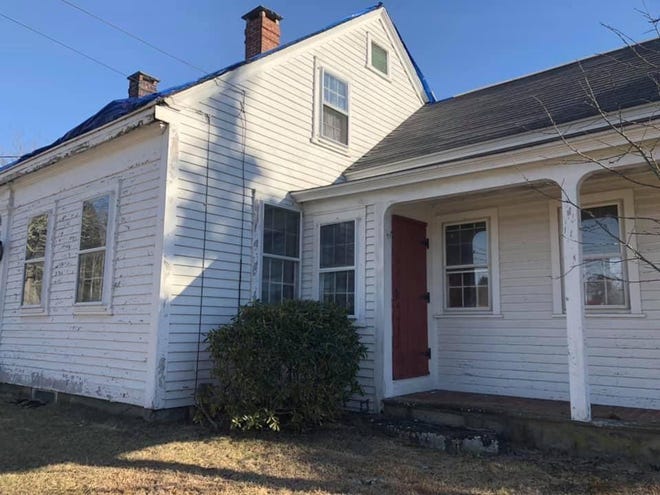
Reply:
x=379, y=58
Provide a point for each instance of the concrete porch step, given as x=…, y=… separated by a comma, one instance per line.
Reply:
x=537, y=424
x=446, y=439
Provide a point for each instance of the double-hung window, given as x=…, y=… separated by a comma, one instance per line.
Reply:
x=610, y=272
x=337, y=264
x=35, y=258
x=281, y=254
x=93, y=249
x=467, y=265
x=334, y=109
x=602, y=256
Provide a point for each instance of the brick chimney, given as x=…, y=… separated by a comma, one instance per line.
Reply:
x=262, y=31
x=141, y=84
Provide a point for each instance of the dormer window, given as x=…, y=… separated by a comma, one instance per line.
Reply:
x=334, y=121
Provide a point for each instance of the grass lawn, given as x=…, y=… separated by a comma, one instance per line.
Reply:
x=54, y=449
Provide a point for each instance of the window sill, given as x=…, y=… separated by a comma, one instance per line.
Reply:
x=331, y=145
x=33, y=311
x=387, y=76
x=92, y=309
x=606, y=315
x=467, y=315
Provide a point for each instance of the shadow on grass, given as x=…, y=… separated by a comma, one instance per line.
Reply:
x=343, y=459
x=52, y=435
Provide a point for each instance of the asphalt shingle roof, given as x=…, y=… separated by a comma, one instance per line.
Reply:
x=619, y=79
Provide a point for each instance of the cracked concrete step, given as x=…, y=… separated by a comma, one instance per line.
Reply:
x=443, y=438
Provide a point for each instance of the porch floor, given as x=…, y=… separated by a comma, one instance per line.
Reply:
x=536, y=423
x=527, y=408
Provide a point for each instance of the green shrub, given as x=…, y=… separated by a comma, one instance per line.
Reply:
x=292, y=364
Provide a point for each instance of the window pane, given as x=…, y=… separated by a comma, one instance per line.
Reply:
x=378, y=58
x=33, y=282
x=335, y=92
x=600, y=230
x=339, y=288
x=466, y=244
x=335, y=125
x=35, y=247
x=338, y=245
x=278, y=280
x=483, y=300
x=469, y=297
x=603, y=282
x=90, y=277
x=455, y=298
x=94, y=223
x=468, y=289
x=281, y=231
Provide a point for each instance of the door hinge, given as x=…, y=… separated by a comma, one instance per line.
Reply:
x=427, y=297
x=428, y=353
x=425, y=243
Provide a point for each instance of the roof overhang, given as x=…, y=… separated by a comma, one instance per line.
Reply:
x=585, y=126
x=140, y=118
x=542, y=147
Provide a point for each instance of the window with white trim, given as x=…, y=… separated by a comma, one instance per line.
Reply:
x=93, y=249
x=467, y=265
x=35, y=260
x=281, y=254
x=603, y=257
x=337, y=264
x=334, y=108
x=379, y=58
x=610, y=275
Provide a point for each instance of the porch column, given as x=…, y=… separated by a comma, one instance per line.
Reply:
x=574, y=301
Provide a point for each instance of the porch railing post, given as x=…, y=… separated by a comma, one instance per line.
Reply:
x=574, y=301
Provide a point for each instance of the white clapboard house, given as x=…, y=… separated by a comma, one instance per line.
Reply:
x=324, y=168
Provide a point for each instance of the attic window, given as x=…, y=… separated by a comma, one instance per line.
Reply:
x=379, y=58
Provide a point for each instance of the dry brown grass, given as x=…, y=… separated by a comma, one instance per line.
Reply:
x=59, y=450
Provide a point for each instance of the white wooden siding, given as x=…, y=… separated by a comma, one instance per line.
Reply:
x=279, y=157
x=523, y=352
x=95, y=355
x=624, y=353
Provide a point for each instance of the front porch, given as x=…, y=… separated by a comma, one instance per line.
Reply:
x=498, y=298
x=537, y=423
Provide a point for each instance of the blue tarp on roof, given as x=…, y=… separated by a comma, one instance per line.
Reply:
x=120, y=108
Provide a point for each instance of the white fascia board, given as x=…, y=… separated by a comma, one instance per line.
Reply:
x=554, y=152
x=236, y=77
x=140, y=118
x=525, y=139
x=404, y=56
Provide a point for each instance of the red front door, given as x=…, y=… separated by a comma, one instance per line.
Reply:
x=410, y=352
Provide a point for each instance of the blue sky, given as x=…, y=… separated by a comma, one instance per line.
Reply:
x=460, y=45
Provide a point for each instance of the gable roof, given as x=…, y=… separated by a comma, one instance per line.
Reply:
x=620, y=79
x=117, y=109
